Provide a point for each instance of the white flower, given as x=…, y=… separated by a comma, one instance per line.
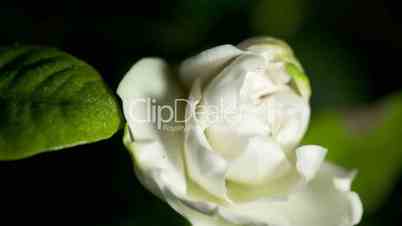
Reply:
x=234, y=159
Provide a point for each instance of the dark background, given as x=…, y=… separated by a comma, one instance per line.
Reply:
x=350, y=49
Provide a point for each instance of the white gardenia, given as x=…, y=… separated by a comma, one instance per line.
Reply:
x=235, y=159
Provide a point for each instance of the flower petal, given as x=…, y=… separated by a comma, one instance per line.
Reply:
x=205, y=167
x=321, y=203
x=232, y=81
x=279, y=187
x=272, y=49
x=154, y=149
x=262, y=161
x=288, y=177
x=288, y=117
x=207, y=63
x=233, y=115
x=280, y=54
x=199, y=213
x=309, y=159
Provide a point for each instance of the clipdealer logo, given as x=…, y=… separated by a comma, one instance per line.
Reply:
x=171, y=116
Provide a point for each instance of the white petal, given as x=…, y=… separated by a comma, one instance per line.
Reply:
x=150, y=158
x=218, y=135
x=286, y=177
x=319, y=204
x=156, y=153
x=309, y=159
x=257, y=85
x=206, y=167
x=288, y=117
x=154, y=149
x=227, y=85
x=228, y=95
x=199, y=213
x=273, y=50
x=278, y=187
x=223, y=98
x=263, y=43
x=261, y=162
x=206, y=64
x=344, y=182
x=277, y=72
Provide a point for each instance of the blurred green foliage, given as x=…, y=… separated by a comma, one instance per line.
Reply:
x=283, y=18
x=367, y=139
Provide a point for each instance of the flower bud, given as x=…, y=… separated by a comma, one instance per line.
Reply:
x=235, y=157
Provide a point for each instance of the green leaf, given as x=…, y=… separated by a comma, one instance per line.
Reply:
x=367, y=139
x=50, y=100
